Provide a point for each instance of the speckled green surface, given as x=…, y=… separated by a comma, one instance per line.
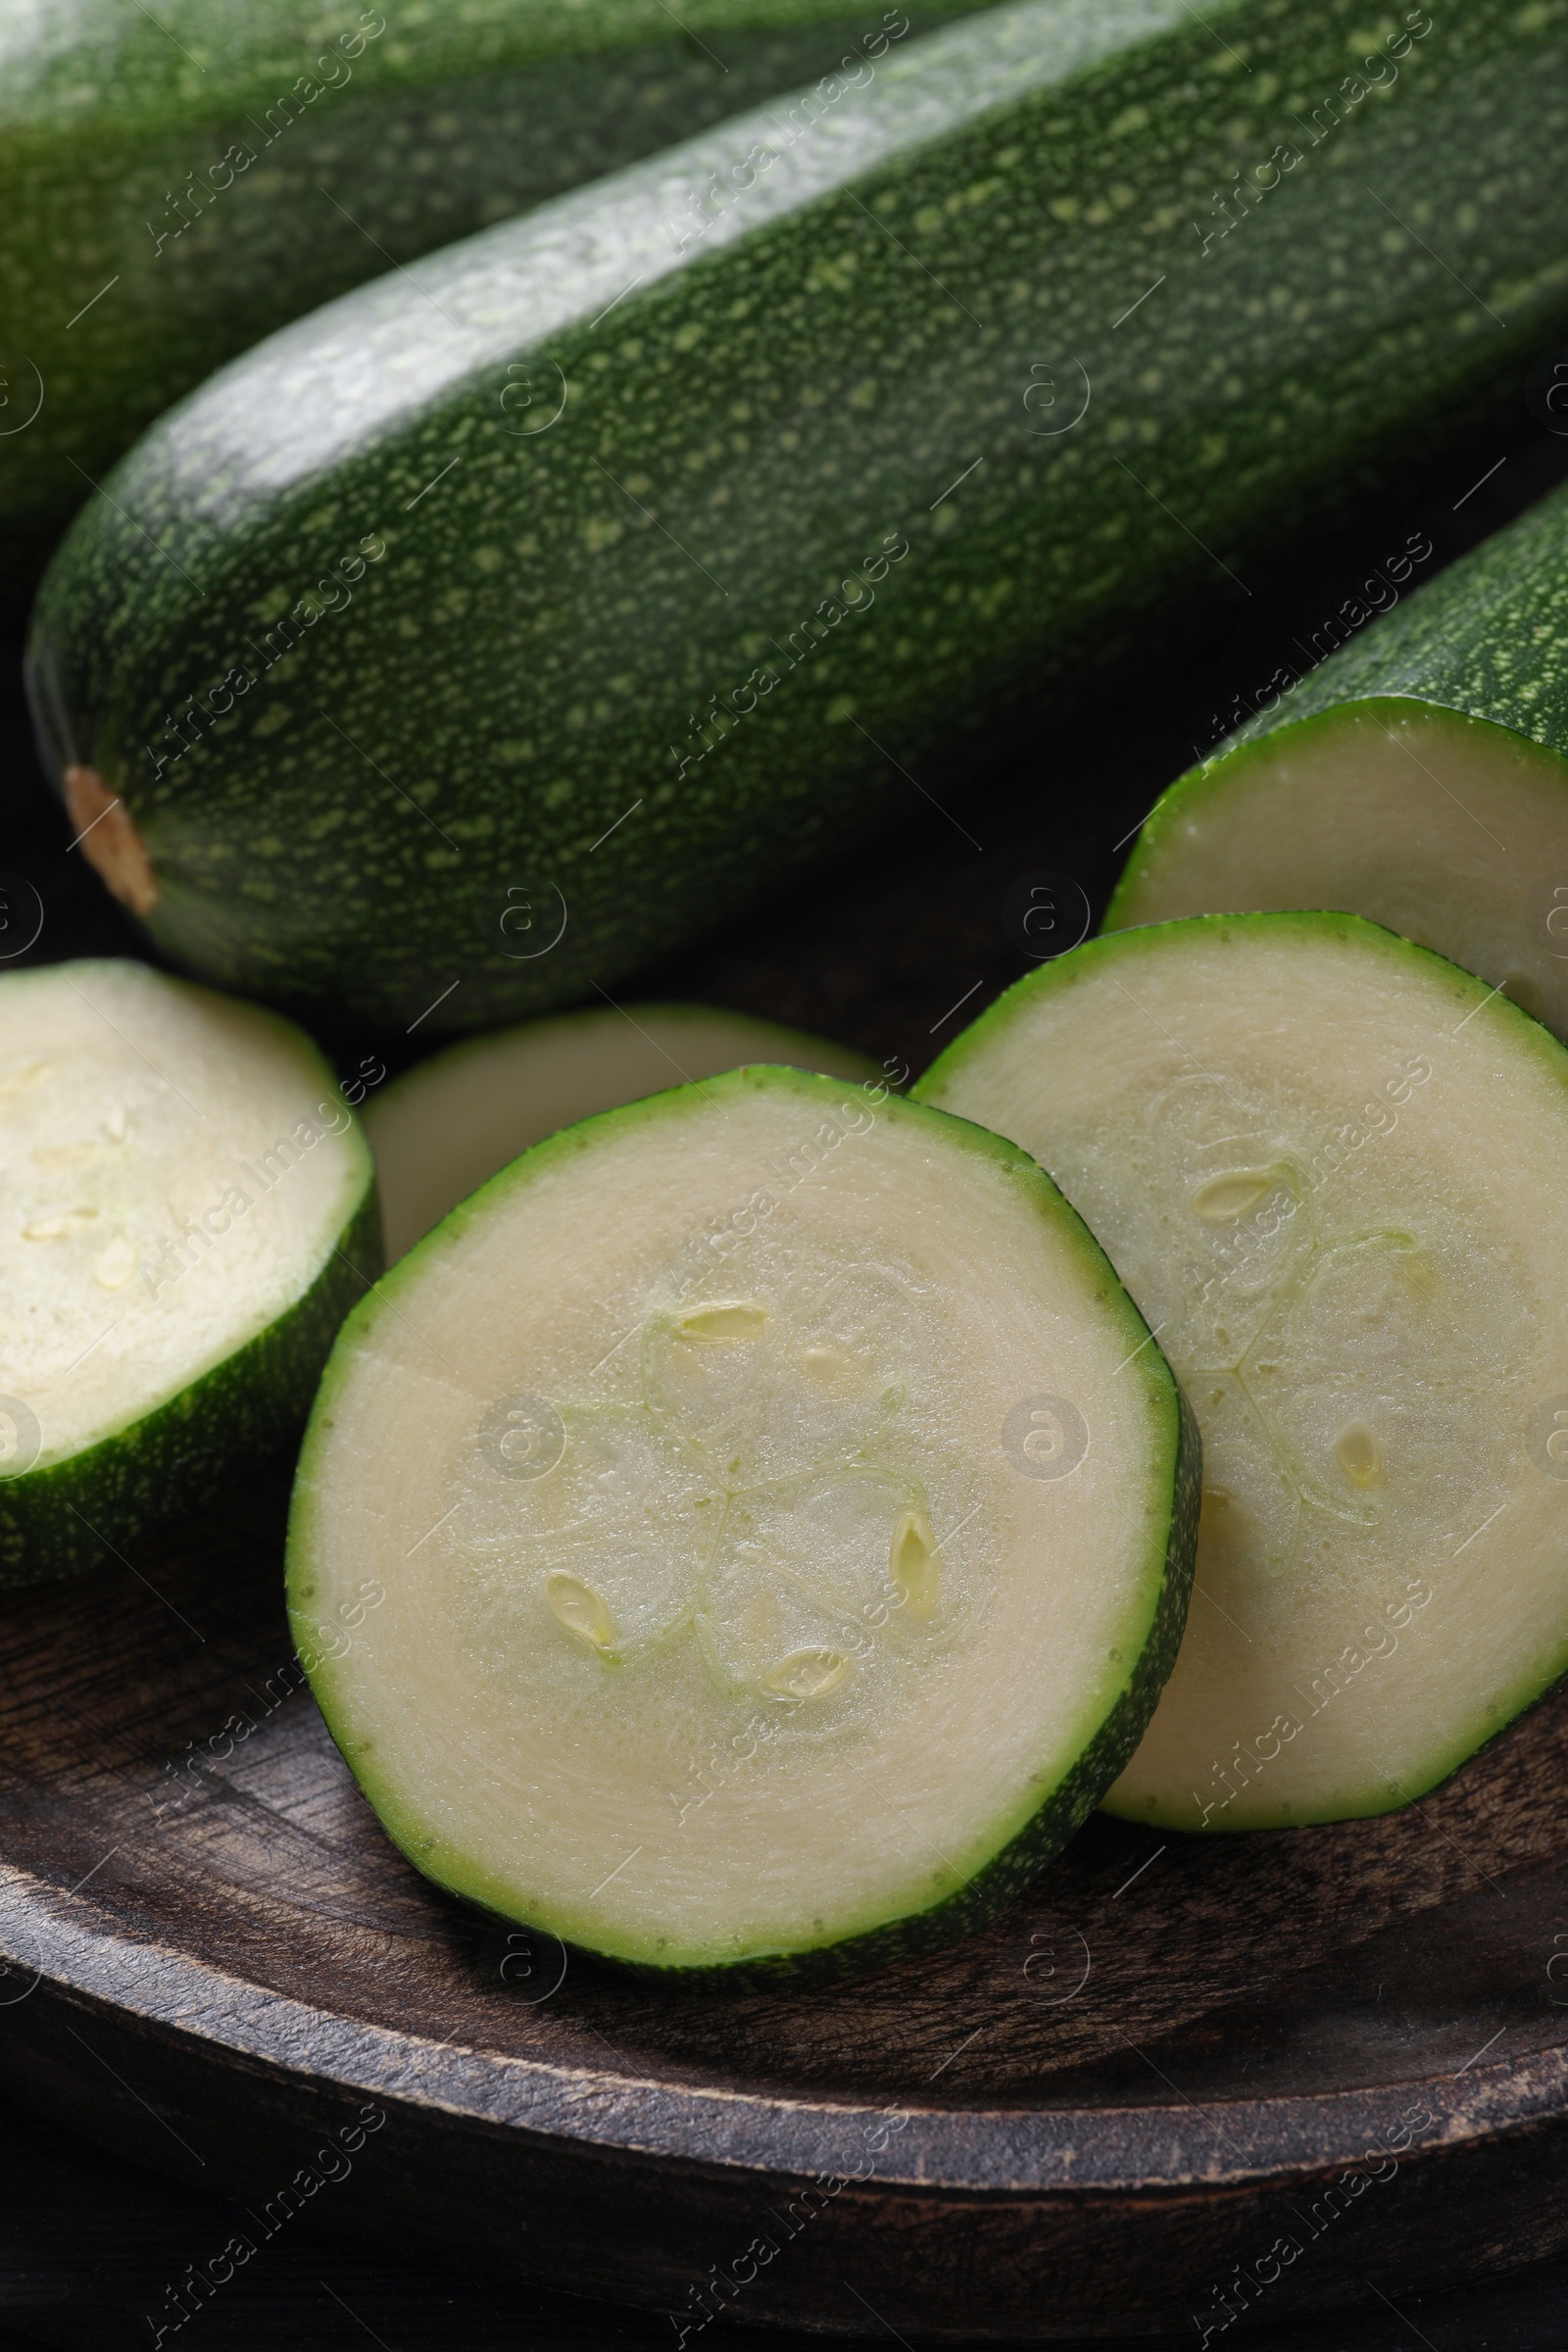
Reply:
x=115, y=123
x=1489, y=637
x=815, y=493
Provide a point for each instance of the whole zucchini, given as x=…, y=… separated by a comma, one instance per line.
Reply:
x=176, y=183
x=505, y=623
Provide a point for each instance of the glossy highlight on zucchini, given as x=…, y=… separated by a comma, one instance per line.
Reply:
x=514, y=619
x=174, y=185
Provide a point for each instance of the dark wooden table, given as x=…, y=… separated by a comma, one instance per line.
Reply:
x=88, y=2243
x=890, y=954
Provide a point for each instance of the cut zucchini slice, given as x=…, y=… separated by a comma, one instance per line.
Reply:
x=1418, y=775
x=1444, y=827
x=1333, y=1172
x=454, y=1121
x=784, y=1522
x=187, y=1211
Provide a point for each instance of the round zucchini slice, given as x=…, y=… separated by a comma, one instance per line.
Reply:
x=187, y=1211
x=784, y=1523
x=1333, y=1172
x=449, y=1124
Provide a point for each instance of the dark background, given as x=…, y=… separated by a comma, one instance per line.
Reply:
x=892, y=952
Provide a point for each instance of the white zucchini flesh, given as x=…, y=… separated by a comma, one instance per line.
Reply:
x=1333, y=1172
x=1447, y=829
x=728, y=1616
x=451, y=1122
x=187, y=1210
x=175, y=1169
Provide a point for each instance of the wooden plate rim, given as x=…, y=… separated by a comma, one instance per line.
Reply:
x=983, y=2151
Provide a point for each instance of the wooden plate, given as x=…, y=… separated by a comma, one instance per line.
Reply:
x=1181, y=2081
x=1183, y=2078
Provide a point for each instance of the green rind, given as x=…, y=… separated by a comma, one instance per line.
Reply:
x=1023, y=1845
x=564, y=628
x=1486, y=639
x=67, y=1517
x=444, y=123
x=1201, y=787
x=1471, y=997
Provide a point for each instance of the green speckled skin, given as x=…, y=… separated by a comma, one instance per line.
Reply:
x=1024, y=1847
x=741, y=557
x=1489, y=637
x=444, y=122
x=71, y=1515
